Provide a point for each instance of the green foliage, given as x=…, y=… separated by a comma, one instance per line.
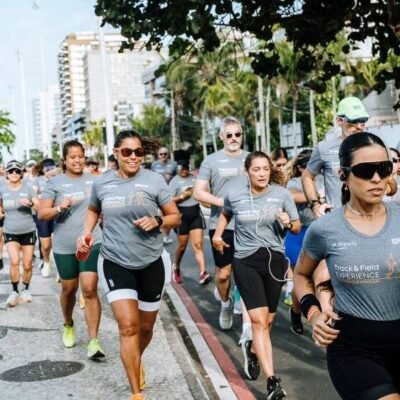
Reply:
x=36, y=154
x=94, y=138
x=153, y=122
x=7, y=138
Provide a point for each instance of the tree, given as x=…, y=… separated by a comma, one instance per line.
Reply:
x=36, y=154
x=309, y=24
x=7, y=137
x=152, y=123
x=94, y=139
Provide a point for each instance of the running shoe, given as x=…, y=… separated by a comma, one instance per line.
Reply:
x=205, y=278
x=176, y=274
x=216, y=294
x=167, y=240
x=69, y=336
x=13, y=299
x=288, y=300
x=46, y=269
x=251, y=364
x=237, y=307
x=26, y=296
x=274, y=389
x=1, y=263
x=296, y=326
x=94, y=350
x=226, y=316
x=142, y=378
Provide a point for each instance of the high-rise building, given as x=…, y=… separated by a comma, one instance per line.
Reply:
x=46, y=118
x=81, y=80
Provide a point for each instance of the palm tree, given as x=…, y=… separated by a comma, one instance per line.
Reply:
x=93, y=138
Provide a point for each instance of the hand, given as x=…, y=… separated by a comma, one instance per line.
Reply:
x=219, y=244
x=84, y=242
x=323, y=334
x=66, y=203
x=188, y=192
x=321, y=209
x=283, y=218
x=25, y=202
x=146, y=223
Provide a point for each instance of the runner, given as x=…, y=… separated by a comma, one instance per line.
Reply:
x=360, y=243
x=3, y=181
x=132, y=273
x=192, y=223
x=262, y=213
x=17, y=200
x=395, y=156
x=279, y=158
x=65, y=199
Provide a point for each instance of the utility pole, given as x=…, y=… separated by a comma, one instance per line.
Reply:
x=25, y=114
x=261, y=111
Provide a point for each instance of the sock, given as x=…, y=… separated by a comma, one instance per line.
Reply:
x=289, y=287
x=246, y=331
x=225, y=304
x=15, y=286
x=26, y=285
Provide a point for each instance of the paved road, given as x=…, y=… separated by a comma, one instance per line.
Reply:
x=299, y=363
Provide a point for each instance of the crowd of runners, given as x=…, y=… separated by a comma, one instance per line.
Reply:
x=323, y=224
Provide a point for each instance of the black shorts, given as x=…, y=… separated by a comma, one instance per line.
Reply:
x=44, y=228
x=24, y=239
x=363, y=361
x=222, y=260
x=191, y=218
x=258, y=284
x=1, y=222
x=145, y=285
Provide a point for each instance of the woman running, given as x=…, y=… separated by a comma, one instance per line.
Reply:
x=361, y=245
x=17, y=201
x=192, y=223
x=65, y=199
x=262, y=213
x=132, y=273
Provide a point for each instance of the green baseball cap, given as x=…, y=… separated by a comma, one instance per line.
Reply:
x=352, y=108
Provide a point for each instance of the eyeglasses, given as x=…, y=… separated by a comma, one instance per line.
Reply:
x=162, y=154
x=395, y=160
x=368, y=169
x=358, y=121
x=236, y=134
x=127, y=152
x=14, y=171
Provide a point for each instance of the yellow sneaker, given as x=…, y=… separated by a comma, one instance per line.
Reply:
x=69, y=336
x=142, y=378
x=94, y=350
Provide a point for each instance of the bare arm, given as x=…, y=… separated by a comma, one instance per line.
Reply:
x=202, y=193
x=183, y=196
x=298, y=197
x=171, y=218
x=47, y=211
x=217, y=240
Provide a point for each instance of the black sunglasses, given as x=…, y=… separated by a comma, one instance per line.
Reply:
x=368, y=169
x=127, y=152
x=395, y=160
x=14, y=171
x=356, y=121
x=162, y=154
x=236, y=134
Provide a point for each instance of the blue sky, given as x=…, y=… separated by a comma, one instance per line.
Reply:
x=19, y=29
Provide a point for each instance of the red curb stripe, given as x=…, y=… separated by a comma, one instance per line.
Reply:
x=237, y=383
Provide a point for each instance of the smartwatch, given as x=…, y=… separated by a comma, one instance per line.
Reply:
x=159, y=220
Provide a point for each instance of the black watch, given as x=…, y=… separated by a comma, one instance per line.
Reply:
x=159, y=220
x=312, y=203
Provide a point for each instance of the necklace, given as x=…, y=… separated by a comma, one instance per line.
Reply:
x=361, y=214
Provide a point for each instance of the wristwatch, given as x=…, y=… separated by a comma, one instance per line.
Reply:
x=312, y=203
x=159, y=220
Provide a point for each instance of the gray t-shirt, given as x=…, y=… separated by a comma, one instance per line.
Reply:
x=122, y=201
x=167, y=169
x=325, y=160
x=39, y=184
x=18, y=219
x=180, y=184
x=68, y=225
x=364, y=270
x=219, y=169
x=256, y=217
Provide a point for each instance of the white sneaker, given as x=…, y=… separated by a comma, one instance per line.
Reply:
x=46, y=269
x=13, y=299
x=237, y=308
x=26, y=296
x=226, y=316
x=167, y=240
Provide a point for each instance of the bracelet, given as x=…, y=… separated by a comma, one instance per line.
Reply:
x=308, y=301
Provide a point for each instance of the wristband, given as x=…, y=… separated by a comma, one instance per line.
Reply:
x=312, y=203
x=59, y=209
x=308, y=301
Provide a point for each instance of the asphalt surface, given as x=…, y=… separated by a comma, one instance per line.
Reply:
x=298, y=362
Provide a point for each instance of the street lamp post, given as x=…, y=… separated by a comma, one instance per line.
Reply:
x=25, y=113
x=174, y=142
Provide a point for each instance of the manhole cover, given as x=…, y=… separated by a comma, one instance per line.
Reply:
x=41, y=371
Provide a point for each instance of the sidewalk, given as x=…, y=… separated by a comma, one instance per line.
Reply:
x=32, y=333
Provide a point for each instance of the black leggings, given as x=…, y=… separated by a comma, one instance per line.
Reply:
x=363, y=361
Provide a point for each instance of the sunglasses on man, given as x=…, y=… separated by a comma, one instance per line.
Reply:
x=368, y=169
x=162, y=154
x=236, y=134
x=357, y=121
x=127, y=152
x=14, y=171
